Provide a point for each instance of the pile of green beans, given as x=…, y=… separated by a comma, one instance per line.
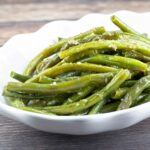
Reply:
x=94, y=72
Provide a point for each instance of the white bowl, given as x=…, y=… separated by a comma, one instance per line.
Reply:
x=20, y=49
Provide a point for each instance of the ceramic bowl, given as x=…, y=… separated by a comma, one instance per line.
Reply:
x=20, y=49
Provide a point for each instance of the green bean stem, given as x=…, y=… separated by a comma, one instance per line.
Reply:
x=19, y=77
x=123, y=26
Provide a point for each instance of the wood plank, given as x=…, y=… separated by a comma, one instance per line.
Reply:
x=22, y=18
x=61, y=10
x=16, y=136
x=56, y=1
x=9, y=29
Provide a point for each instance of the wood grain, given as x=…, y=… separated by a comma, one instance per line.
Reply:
x=16, y=136
x=21, y=16
x=51, y=11
x=9, y=29
x=56, y=1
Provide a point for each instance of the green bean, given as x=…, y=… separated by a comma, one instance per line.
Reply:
x=137, y=55
x=37, y=103
x=148, y=70
x=45, y=79
x=147, y=90
x=132, y=38
x=97, y=97
x=60, y=38
x=18, y=103
x=27, y=96
x=110, y=107
x=128, y=83
x=55, y=102
x=88, y=38
x=106, y=44
x=127, y=63
x=134, y=92
x=95, y=109
x=57, y=70
x=140, y=99
x=75, y=57
x=123, y=91
x=69, y=44
x=79, y=95
x=123, y=26
x=92, y=37
x=46, y=102
x=32, y=109
x=61, y=87
x=48, y=62
x=96, y=30
x=80, y=113
x=68, y=75
x=15, y=102
x=54, y=59
x=144, y=100
x=56, y=47
x=19, y=77
x=119, y=93
x=117, y=35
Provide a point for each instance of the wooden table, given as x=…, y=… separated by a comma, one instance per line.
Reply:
x=20, y=16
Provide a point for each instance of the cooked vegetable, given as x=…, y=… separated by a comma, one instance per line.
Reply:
x=97, y=97
x=134, y=92
x=110, y=107
x=107, y=44
x=45, y=79
x=19, y=77
x=94, y=72
x=56, y=47
x=57, y=70
x=123, y=26
x=61, y=87
x=81, y=94
x=119, y=61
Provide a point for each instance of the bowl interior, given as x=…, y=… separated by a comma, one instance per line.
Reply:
x=20, y=49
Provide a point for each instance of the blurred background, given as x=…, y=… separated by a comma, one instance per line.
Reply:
x=19, y=16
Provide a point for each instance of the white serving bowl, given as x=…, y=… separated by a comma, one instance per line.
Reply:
x=20, y=49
